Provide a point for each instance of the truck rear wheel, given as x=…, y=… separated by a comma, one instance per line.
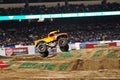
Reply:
x=44, y=54
x=64, y=49
x=63, y=42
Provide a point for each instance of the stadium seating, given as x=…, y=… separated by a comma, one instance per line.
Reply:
x=71, y=8
x=79, y=29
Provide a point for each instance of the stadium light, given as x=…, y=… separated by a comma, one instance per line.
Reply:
x=63, y=15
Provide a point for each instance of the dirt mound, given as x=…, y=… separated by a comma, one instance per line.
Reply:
x=27, y=58
x=84, y=59
x=98, y=64
x=91, y=63
x=84, y=54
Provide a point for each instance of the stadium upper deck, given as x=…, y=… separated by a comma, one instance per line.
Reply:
x=70, y=8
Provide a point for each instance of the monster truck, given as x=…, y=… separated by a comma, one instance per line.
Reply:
x=54, y=38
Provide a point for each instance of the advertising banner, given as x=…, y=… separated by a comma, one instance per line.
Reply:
x=9, y=46
x=16, y=51
x=102, y=45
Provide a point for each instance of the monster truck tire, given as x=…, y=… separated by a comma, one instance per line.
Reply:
x=64, y=49
x=63, y=42
x=41, y=47
x=44, y=54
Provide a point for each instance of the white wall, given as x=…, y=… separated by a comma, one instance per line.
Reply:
x=2, y=52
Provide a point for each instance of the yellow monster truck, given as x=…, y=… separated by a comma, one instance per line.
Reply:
x=53, y=39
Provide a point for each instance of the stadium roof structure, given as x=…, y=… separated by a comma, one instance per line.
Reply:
x=62, y=15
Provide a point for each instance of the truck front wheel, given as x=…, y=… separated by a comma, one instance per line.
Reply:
x=63, y=44
x=41, y=47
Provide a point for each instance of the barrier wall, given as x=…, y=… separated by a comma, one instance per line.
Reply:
x=117, y=42
x=101, y=45
x=30, y=49
x=94, y=44
x=2, y=52
x=16, y=51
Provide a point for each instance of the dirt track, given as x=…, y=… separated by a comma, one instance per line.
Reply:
x=84, y=64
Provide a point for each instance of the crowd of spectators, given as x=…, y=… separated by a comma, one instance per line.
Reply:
x=79, y=30
x=68, y=8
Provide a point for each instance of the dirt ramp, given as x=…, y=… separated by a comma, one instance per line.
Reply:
x=96, y=53
x=84, y=54
x=95, y=64
x=84, y=64
x=69, y=65
x=84, y=59
x=36, y=57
